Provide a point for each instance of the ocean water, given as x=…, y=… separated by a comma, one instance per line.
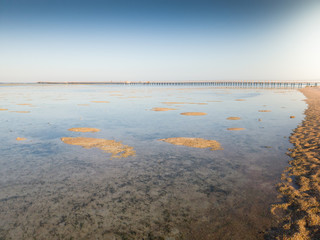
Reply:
x=52, y=190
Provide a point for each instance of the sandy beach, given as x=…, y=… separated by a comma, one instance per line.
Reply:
x=300, y=189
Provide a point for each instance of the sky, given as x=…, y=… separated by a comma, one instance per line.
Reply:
x=159, y=40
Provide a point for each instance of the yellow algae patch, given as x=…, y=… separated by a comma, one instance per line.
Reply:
x=157, y=109
x=21, y=111
x=292, y=116
x=233, y=118
x=193, y=113
x=194, y=142
x=264, y=110
x=20, y=139
x=3, y=109
x=117, y=149
x=100, y=101
x=235, y=129
x=240, y=100
x=24, y=104
x=84, y=129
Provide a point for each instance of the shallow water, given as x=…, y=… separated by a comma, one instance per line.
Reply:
x=51, y=190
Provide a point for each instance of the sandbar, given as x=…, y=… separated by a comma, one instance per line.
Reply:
x=158, y=109
x=117, y=149
x=300, y=186
x=233, y=118
x=84, y=129
x=235, y=129
x=100, y=101
x=193, y=113
x=178, y=103
x=20, y=139
x=264, y=110
x=21, y=111
x=194, y=142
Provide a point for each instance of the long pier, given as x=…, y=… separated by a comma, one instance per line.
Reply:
x=232, y=84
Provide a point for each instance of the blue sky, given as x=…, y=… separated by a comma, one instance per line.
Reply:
x=42, y=40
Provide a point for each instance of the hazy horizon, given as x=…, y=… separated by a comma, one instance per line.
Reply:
x=159, y=40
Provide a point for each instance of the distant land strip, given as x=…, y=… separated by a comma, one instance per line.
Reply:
x=207, y=83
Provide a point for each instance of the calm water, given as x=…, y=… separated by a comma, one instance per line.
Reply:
x=51, y=190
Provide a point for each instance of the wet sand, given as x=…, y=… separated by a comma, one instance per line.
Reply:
x=194, y=142
x=300, y=189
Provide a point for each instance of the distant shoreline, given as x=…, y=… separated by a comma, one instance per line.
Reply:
x=249, y=84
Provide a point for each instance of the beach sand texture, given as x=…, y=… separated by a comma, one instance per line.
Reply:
x=300, y=189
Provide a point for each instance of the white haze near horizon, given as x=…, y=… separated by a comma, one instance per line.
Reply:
x=288, y=51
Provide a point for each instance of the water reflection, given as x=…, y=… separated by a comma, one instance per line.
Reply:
x=51, y=190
